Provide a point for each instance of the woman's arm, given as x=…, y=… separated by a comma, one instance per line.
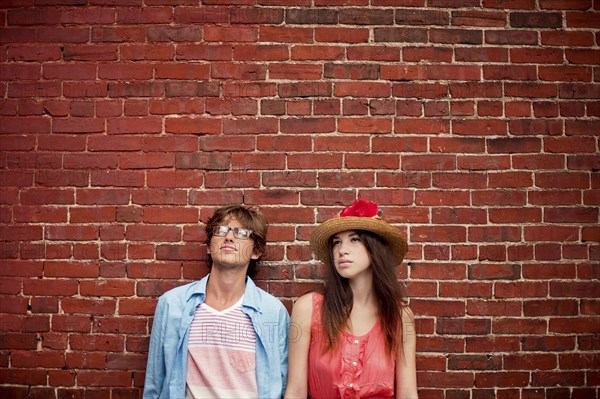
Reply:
x=406, y=368
x=299, y=342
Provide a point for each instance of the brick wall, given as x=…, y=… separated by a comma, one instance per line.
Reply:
x=474, y=124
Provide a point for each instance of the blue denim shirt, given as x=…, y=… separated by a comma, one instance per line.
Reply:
x=168, y=354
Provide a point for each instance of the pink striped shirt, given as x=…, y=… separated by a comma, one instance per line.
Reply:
x=221, y=354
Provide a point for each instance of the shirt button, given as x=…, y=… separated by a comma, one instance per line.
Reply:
x=356, y=341
x=354, y=364
x=351, y=385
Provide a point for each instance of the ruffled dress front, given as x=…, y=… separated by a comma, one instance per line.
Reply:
x=358, y=367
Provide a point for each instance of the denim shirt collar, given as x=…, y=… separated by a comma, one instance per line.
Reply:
x=251, y=299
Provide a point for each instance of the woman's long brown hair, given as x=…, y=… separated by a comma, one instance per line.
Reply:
x=389, y=294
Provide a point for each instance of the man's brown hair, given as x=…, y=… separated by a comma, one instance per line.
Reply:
x=250, y=218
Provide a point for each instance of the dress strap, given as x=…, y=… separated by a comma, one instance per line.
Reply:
x=317, y=309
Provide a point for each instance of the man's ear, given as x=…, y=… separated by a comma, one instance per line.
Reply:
x=255, y=255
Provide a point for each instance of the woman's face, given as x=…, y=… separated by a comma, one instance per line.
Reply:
x=350, y=256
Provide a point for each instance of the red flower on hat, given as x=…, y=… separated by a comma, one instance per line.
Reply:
x=362, y=208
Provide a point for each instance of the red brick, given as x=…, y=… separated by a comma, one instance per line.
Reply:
x=574, y=289
x=88, y=306
x=521, y=290
x=548, y=233
x=175, y=106
x=479, y=18
x=564, y=5
x=566, y=38
x=87, y=52
x=565, y=73
x=252, y=161
x=34, y=53
x=147, y=15
x=550, y=307
x=485, y=307
x=284, y=143
x=374, y=53
x=296, y=71
x=510, y=179
x=340, y=180
x=230, y=34
x=48, y=214
x=71, y=233
x=514, y=37
x=443, y=144
x=289, y=179
x=134, y=125
x=548, y=343
x=315, y=53
x=281, y=214
x=407, y=72
x=137, y=306
x=517, y=108
x=552, y=377
x=170, y=215
x=50, y=287
x=118, y=34
x=479, y=127
x=514, y=215
x=70, y=269
x=437, y=344
x=502, y=379
x=514, y=72
x=136, y=89
x=153, y=233
x=25, y=125
x=434, y=197
x=474, y=362
x=461, y=290
x=89, y=360
x=577, y=19
x=174, y=179
x=583, y=127
x=577, y=361
x=540, y=162
x=409, y=179
x=458, y=216
x=364, y=125
x=571, y=215
x=259, y=52
x=95, y=378
x=192, y=125
x=519, y=326
x=447, y=379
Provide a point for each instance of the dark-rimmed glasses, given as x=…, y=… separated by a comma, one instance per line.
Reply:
x=238, y=232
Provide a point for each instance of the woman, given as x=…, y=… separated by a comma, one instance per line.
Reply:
x=357, y=338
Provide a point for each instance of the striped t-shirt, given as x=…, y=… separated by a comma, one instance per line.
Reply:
x=221, y=354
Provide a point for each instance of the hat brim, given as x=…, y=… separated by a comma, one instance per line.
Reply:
x=321, y=234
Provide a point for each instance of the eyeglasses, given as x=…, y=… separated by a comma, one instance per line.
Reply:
x=238, y=232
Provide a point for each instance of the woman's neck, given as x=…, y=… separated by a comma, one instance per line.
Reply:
x=362, y=290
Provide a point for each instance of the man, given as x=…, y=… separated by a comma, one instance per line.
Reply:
x=222, y=336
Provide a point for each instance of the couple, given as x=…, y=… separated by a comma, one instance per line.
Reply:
x=224, y=337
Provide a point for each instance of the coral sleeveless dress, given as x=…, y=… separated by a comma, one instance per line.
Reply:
x=358, y=367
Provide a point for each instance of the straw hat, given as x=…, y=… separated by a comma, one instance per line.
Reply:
x=362, y=215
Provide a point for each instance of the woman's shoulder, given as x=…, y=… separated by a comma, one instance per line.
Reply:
x=305, y=302
x=407, y=314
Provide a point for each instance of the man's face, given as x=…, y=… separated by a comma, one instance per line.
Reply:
x=229, y=250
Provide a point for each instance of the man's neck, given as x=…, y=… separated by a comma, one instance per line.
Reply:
x=225, y=287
